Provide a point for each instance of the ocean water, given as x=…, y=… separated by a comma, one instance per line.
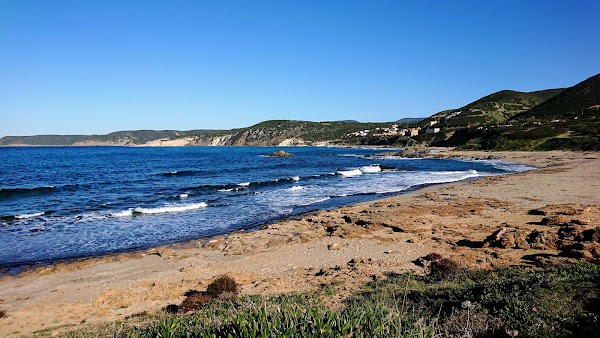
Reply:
x=66, y=202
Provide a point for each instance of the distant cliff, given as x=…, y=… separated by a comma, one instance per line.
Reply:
x=268, y=133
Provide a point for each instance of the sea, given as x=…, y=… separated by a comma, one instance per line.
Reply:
x=60, y=203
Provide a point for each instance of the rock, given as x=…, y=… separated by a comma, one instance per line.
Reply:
x=279, y=153
x=215, y=244
x=582, y=250
x=362, y=223
x=588, y=235
x=321, y=272
x=581, y=221
x=537, y=212
x=560, y=209
x=334, y=246
x=540, y=240
x=506, y=239
x=556, y=220
x=569, y=232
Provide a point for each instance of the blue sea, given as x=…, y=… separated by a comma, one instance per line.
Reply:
x=59, y=203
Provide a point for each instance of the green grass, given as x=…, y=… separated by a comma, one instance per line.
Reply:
x=554, y=302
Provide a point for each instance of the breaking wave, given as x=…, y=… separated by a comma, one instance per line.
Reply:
x=160, y=210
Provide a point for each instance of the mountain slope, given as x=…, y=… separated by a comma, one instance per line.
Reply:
x=569, y=102
x=267, y=133
x=291, y=132
x=565, y=121
x=129, y=137
x=493, y=108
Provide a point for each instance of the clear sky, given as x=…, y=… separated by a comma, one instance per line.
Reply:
x=87, y=66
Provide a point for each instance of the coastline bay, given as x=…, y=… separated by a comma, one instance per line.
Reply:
x=71, y=202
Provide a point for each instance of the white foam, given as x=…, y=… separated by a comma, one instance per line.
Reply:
x=369, y=169
x=295, y=178
x=296, y=188
x=90, y=217
x=316, y=200
x=510, y=167
x=349, y=173
x=183, y=195
x=245, y=184
x=124, y=213
x=160, y=210
x=170, y=208
x=25, y=216
x=228, y=190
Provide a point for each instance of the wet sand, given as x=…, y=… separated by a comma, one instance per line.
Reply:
x=483, y=223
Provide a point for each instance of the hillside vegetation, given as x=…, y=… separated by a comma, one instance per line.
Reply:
x=505, y=120
x=129, y=137
x=565, y=121
x=493, y=108
x=267, y=133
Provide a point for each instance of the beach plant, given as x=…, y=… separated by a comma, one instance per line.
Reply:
x=561, y=301
x=168, y=328
x=194, y=302
x=223, y=287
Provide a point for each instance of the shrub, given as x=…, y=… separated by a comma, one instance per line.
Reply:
x=194, y=301
x=2, y=313
x=224, y=287
x=446, y=268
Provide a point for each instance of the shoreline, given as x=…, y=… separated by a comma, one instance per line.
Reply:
x=25, y=268
x=351, y=245
x=17, y=269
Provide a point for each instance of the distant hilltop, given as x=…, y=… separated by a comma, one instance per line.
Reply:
x=268, y=133
x=506, y=120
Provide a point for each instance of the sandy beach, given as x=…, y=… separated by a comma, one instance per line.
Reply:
x=535, y=218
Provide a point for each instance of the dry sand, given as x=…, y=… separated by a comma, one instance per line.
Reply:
x=349, y=246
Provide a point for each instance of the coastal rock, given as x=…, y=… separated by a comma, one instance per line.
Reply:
x=569, y=232
x=560, y=209
x=540, y=240
x=334, y=246
x=507, y=239
x=215, y=244
x=581, y=221
x=588, y=235
x=588, y=250
x=279, y=153
x=555, y=220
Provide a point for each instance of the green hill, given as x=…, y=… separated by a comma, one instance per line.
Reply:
x=129, y=137
x=569, y=103
x=493, y=108
x=266, y=133
x=568, y=120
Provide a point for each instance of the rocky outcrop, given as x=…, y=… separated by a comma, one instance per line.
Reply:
x=250, y=137
x=279, y=153
x=507, y=239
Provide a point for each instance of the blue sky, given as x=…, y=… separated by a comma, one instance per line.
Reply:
x=83, y=67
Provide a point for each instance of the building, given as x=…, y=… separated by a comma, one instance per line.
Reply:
x=412, y=132
x=432, y=130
